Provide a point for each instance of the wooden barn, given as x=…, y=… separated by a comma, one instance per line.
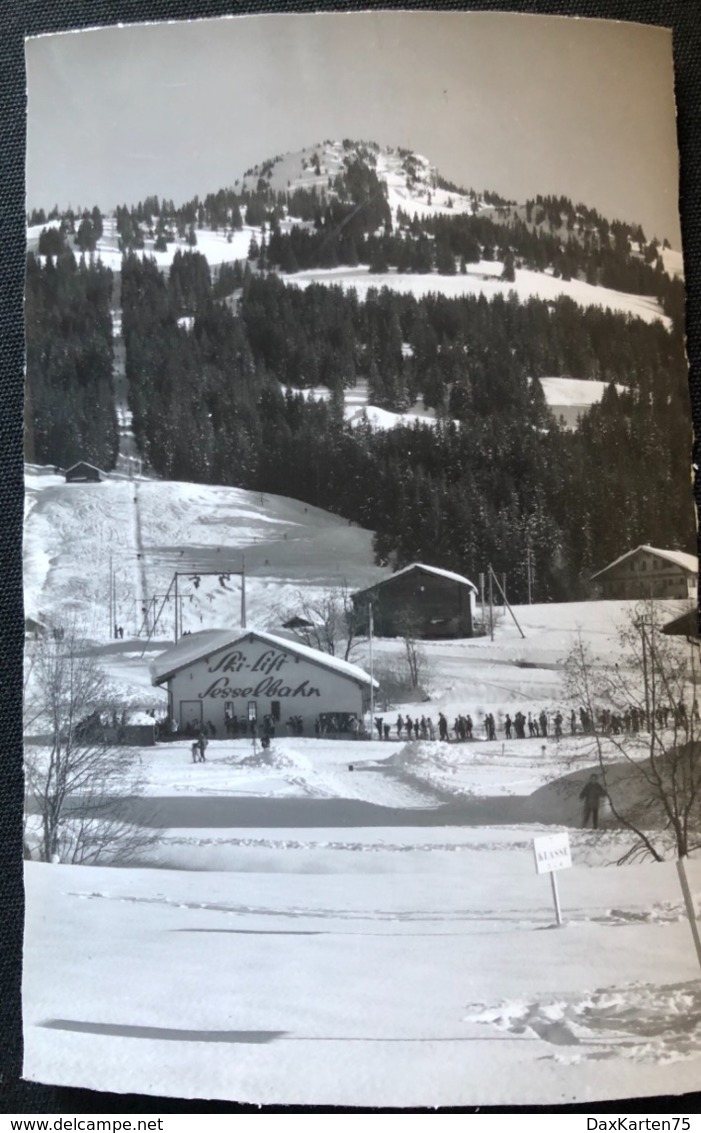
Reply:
x=83, y=473
x=648, y=572
x=421, y=600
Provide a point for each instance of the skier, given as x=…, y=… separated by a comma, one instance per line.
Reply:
x=592, y=793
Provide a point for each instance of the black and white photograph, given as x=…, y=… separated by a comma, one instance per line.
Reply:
x=362, y=683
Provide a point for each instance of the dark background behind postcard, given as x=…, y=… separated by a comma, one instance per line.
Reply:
x=34, y=17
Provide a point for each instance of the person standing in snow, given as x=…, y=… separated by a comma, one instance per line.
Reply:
x=592, y=793
x=431, y=729
x=507, y=726
x=442, y=728
x=201, y=743
x=400, y=725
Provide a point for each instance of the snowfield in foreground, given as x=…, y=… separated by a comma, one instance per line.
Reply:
x=308, y=933
x=321, y=968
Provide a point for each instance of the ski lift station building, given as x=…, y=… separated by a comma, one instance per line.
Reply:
x=423, y=600
x=250, y=673
x=648, y=572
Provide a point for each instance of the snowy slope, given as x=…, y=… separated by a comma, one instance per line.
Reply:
x=152, y=528
x=484, y=279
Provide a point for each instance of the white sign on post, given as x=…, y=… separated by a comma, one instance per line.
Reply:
x=552, y=853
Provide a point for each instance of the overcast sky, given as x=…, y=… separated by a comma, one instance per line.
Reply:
x=518, y=104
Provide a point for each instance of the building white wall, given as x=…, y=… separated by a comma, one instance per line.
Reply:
x=253, y=671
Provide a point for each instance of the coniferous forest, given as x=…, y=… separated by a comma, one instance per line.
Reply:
x=224, y=396
x=224, y=403
x=69, y=387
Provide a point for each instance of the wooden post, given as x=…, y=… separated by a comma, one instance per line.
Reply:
x=556, y=898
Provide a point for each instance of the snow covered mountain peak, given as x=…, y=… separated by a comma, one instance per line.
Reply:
x=411, y=181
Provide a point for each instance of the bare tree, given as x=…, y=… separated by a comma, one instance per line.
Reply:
x=330, y=623
x=79, y=781
x=416, y=663
x=644, y=732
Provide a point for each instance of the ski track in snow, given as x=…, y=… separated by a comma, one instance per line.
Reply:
x=664, y=913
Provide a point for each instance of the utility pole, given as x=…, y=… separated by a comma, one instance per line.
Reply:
x=506, y=604
x=491, y=604
x=529, y=571
x=110, y=602
x=482, y=596
x=645, y=676
x=243, y=592
x=372, y=676
x=113, y=599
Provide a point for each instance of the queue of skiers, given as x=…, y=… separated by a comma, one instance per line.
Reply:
x=532, y=725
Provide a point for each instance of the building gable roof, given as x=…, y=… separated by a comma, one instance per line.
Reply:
x=84, y=464
x=686, y=625
x=194, y=647
x=688, y=563
x=439, y=572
